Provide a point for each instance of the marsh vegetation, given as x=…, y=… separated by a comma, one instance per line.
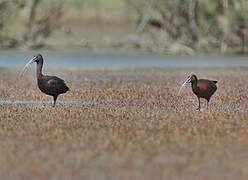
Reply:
x=124, y=124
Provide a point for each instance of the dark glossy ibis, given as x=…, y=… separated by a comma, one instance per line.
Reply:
x=202, y=88
x=50, y=85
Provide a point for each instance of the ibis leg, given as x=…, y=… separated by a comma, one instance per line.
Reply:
x=199, y=107
x=208, y=103
x=54, y=100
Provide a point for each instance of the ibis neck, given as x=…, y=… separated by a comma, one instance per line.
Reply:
x=39, y=69
x=194, y=84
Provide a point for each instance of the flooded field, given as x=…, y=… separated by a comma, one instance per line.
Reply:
x=125, y=123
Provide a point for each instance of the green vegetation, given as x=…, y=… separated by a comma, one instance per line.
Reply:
x=162, y=26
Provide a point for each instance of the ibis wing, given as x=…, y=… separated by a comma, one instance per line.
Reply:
x=57, y=85
x=52, y=83
x=206, y=87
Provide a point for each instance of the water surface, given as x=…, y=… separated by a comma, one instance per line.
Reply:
x=118, y=60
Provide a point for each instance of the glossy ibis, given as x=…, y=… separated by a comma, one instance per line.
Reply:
x=202, y=88
x=50, y=85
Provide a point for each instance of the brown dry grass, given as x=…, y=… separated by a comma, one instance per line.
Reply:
x=125, y=124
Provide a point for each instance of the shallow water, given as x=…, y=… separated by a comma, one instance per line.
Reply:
x=39, y=104
x=88, y=104
x=118, y=60
x=9, y=101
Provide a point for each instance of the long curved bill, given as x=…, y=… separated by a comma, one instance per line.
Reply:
x=27, y=66
x=184, y=85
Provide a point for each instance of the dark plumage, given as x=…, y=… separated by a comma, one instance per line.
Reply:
x=50, y=85
x=203, y=88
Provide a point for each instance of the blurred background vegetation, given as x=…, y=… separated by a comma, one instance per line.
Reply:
x=160, y=26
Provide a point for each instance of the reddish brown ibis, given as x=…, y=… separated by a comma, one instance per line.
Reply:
x=202, y=88
x=50, y=85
